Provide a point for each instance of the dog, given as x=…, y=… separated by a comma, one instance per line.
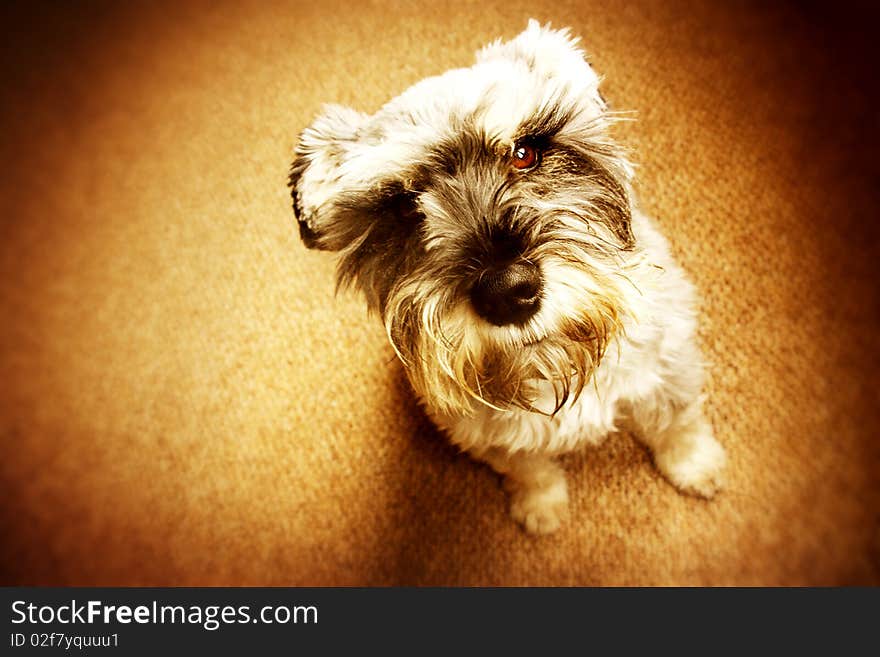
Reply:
x=489, y=219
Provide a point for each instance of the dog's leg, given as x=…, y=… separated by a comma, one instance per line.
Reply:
x=681, y=439
x=536, y=485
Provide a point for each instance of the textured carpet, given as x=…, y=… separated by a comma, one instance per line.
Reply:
x=184, y=402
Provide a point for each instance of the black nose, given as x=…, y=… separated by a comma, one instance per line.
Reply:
x=509, y=295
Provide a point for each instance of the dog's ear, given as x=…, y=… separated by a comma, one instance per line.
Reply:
x=327, y=174
x=551, y=54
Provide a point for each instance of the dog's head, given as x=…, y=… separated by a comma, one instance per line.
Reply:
x=485, y=214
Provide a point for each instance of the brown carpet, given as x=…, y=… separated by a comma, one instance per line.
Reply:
x=184, y=402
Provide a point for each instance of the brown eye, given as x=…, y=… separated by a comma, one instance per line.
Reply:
x=524, y=157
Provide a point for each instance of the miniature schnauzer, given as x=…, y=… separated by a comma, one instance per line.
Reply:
x=489, y=219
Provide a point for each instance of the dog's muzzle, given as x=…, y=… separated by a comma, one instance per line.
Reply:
x=508, y=295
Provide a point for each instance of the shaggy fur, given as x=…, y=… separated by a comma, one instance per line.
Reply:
x=423, y=202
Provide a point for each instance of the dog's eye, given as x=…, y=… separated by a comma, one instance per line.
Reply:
x=524, y=157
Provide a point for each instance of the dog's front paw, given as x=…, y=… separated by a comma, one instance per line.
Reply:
x=540, y=509
x=694, y=466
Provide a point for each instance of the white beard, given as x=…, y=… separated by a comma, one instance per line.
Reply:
x=649, y=381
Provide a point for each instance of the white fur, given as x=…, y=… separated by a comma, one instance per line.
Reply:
x=650, y=381
x=407, y=125
x=651, y=376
